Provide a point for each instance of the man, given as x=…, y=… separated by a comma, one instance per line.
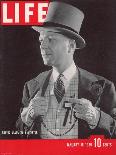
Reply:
x=67, y=101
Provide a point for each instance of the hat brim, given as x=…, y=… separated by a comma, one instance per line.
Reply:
x=80, y=42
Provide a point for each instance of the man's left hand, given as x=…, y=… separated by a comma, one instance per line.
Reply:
x=84, y=110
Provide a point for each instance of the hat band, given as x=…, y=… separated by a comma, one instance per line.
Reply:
x=52, y=24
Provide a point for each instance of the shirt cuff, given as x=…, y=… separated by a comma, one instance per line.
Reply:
x=96, y=120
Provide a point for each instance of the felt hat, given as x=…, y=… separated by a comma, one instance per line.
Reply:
x=65, y=19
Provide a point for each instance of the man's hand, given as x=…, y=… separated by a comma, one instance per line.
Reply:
x=37, y=107
x=84, y=110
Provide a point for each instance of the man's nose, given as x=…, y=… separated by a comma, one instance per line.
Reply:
x=44, y=43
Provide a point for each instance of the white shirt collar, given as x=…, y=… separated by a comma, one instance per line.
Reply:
x=68, y=73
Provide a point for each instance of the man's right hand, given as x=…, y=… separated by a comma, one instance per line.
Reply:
x=37, y=107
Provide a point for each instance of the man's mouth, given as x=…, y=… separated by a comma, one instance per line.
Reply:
x=46, y=54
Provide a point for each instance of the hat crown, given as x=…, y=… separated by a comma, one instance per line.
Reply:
x=65, y=15
x=66, y=19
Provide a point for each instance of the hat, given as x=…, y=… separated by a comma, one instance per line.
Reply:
x=65, y=19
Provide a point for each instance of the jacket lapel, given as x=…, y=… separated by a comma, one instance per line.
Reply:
x=40, y=85
x=90, y=87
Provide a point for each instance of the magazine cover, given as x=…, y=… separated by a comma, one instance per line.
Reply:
x=57, y=83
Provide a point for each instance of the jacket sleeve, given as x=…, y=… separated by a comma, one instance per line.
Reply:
x=107, y=121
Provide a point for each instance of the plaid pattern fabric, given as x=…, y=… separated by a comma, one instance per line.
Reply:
x=53, y=128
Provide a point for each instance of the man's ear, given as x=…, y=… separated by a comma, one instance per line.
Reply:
x=72, y=45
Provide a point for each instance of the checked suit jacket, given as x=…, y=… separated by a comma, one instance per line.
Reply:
x=100, y=91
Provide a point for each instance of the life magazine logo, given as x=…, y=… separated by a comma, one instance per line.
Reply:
x=23, y=12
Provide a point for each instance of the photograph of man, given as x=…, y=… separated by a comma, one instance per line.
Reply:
x=66, y=102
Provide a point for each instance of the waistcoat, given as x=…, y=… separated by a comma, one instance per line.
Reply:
x=53, y=126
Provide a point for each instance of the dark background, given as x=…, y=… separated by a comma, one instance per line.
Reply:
x=20, y=59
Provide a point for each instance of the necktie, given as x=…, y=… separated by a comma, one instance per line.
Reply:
x=59, y=89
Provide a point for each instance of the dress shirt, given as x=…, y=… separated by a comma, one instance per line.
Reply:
x=68, y=75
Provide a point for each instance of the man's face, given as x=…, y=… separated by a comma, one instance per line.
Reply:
x=54, y=48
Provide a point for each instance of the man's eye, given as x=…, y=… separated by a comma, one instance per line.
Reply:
x=50, y=39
